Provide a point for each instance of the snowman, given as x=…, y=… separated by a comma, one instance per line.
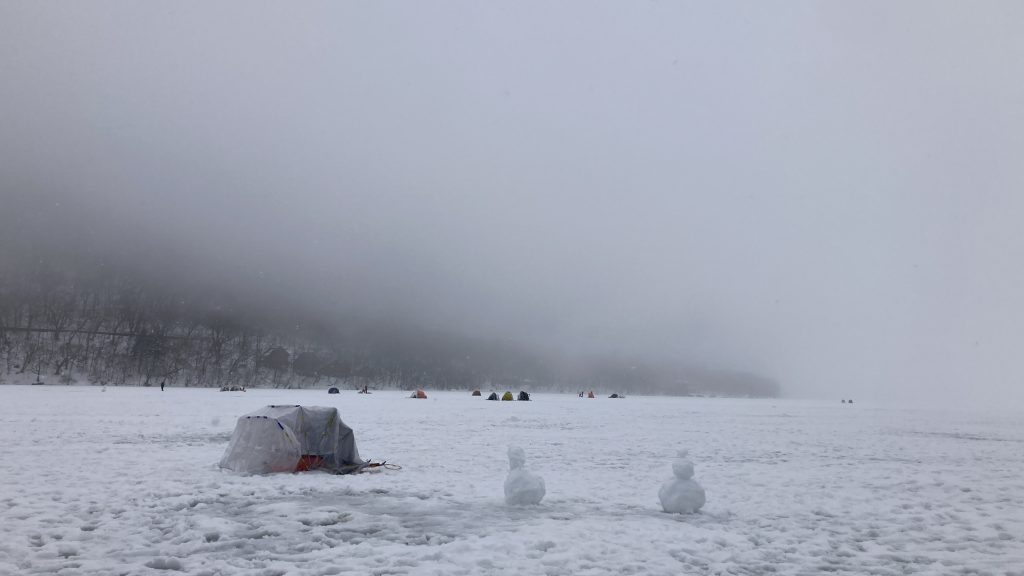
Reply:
x=521, y=487
x=681, y=494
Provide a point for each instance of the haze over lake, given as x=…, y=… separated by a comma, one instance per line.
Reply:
x=822, y=196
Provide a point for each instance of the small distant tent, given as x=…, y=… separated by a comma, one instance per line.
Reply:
x=493, y=396
x=333, y=391
x=292, y=439
x=507, y=396
x=419, y=394
x=616, y=396
x=475, y=393
x=590, y=394
x=523, y=395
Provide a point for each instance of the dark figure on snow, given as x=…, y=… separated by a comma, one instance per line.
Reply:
x=162, y=385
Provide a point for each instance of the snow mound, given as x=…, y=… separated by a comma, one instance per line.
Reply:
x=522, y=488
x=165, y=564
x=681, y=494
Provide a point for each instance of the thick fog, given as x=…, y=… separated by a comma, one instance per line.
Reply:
x=829, y=194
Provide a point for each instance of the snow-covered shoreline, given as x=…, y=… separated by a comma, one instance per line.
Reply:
x=124, y=481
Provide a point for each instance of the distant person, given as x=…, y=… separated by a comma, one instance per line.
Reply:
x=162, y=382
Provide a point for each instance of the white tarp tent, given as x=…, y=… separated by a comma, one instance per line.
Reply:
x=292, y=439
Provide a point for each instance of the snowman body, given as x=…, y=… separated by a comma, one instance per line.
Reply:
x=522, y=487
x=681, y=494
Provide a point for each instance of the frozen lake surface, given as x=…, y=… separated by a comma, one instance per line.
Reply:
x=126, y=482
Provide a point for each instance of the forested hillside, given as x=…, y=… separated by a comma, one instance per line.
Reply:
x=104, y=328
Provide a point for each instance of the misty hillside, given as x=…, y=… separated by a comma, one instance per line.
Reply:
x=105, y=328
x=665, y=196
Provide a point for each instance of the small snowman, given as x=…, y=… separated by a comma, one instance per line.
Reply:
x=681, y=494
x=521, y=487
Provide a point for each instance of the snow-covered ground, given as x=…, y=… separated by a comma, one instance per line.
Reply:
x=125, y=482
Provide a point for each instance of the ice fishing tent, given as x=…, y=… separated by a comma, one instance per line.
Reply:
x=507, y=396
x=523, y=395
x=419, y=394
x=291, y=439
x=493, y=396
x=475, y=393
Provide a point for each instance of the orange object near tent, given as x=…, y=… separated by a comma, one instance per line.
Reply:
x=590, y=394
x=309, y=462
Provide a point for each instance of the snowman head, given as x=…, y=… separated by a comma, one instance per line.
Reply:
x=516, y=457
x=682, y=467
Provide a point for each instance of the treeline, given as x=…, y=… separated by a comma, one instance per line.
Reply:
x=117, y=332
x=105, y=328
x=120, y=333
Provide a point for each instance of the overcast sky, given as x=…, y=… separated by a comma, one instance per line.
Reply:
x=827, y=193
